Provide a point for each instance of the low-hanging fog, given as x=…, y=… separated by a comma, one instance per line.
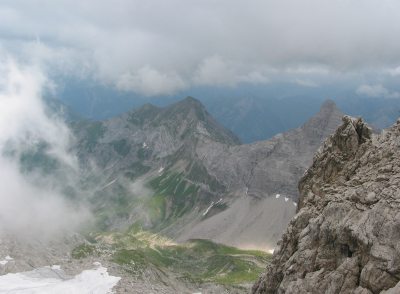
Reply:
x=32, y=202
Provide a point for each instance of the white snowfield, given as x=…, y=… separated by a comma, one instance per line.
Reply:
x=50, y=280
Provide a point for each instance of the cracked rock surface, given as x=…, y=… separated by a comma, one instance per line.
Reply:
x=345, y=237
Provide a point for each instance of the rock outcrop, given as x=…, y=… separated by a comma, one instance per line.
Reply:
x=261, y=180
x=345, y=237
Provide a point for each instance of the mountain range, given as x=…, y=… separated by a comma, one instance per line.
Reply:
x=181, y=205
x=252, y=113
x=176, y=171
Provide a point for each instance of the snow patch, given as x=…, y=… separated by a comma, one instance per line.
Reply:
x=6, y=260
x=34, y=282
x=277, y=196
x=271, y=251
x=211, y=206
x=160, y=170
x=55, y=267
x=295, y=204
x=208, y=208
x=108, y=184
x=144, y=145
x=286, y=199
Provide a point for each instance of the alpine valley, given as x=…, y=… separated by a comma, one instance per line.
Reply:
x=199, y=147
x=178, y=204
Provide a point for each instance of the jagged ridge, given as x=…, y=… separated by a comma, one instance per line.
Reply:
x=345, y=237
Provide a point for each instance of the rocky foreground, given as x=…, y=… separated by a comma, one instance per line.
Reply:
x=345, y=237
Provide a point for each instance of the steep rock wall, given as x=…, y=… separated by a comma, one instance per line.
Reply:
x=345, y=237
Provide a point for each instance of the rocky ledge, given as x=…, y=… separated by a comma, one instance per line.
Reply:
x=345, y=237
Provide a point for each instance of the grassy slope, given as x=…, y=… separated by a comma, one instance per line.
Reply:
x=197, y=261
x=174, y=192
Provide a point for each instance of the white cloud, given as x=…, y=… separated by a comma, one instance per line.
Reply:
x=394, y=71
x=26, y=207
x=376, y=90
x=306, y=83
x=215, y=71
x=255, y=77
x=150, y=82
x=127, y=43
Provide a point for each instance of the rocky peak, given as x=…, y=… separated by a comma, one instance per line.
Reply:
x=191, y=102
x=324, y=122
x=189, y=105
x=188, y=109
x=349, y=136
x=335, y=153
x=329, y=105
x=189, y=116
x=327, y=109
x=345, y=237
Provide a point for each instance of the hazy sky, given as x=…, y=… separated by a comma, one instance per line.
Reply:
x=158, y=47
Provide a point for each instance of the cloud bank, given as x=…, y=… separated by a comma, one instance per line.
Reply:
x=158, y=47
x=376, y=91
x=31, y=203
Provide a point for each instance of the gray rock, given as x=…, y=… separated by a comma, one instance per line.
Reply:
x=345, y=236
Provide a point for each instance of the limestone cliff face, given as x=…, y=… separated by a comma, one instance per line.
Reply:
x=345, y=237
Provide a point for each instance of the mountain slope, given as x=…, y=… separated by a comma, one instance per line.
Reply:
x=176, y=171
x=345, y=236
x=153, y=149
x=261, y=181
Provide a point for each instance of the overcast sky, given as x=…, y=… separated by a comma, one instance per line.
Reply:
x=156, y=47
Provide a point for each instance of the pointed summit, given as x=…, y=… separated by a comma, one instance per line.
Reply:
x=187, y=113
x=186, y=105
x=328, y=104
x=328, y=107
x=324, y=122
x=191, y=100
